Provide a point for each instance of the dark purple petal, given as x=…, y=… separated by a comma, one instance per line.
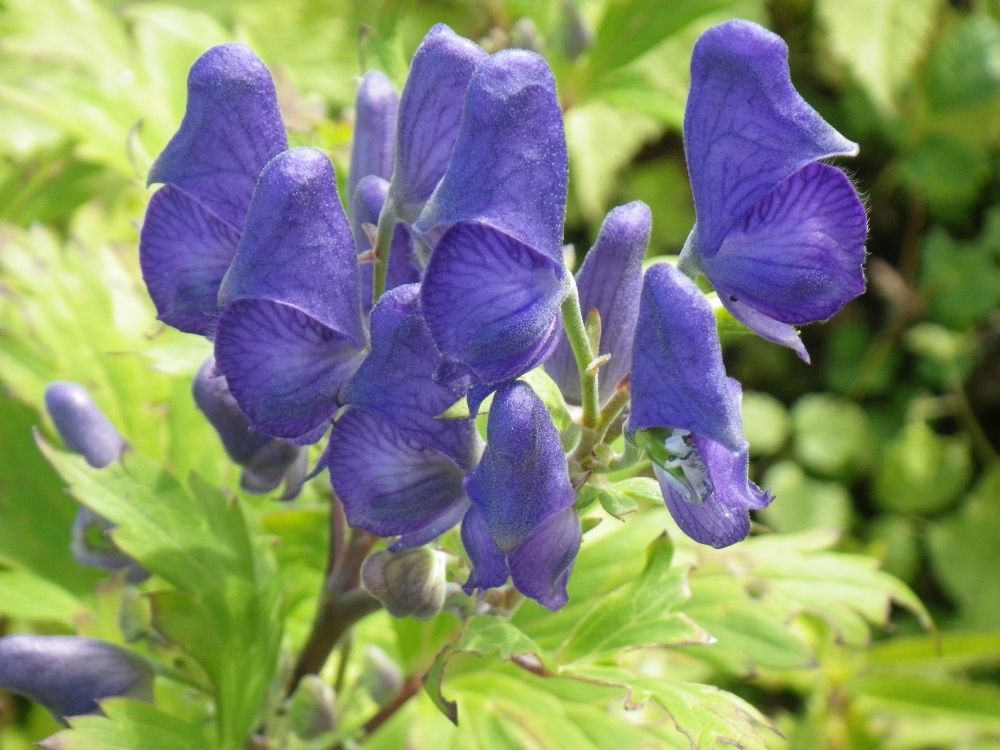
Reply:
x=746, y=129
x=390, y=484
x=396, y=379
x=429, y=115
x=231, y=129
x=797, y=256
x=721, y=518
x=375, y=110
x=82, y=425
x=489, y=565
x=491, y=302
x=283, y=367
x=297, y=248
x=522, y=479
x=609, y=281
x=509, y=168
x=404, y=266
x=678, y=379
x=68, y=675
x=184, y=251
x=541, y=565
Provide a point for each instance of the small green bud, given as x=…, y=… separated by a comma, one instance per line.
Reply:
x=311, y=709
x=409, y=583
x=382, y=677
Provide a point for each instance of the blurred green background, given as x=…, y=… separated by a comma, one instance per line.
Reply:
x=890, y=438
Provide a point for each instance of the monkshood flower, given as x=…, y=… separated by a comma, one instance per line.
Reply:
x=69, y=675
x=231, y=129
x=609, y=282
x=430, y=110
x=686, y=413
x=522, y=524
x=85, y=430
x=266, y=461
x=373, y=151
x=496, y=277
x=778, y=233
x=291, y=332
x=398, y=469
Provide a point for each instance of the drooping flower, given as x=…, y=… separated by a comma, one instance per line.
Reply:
x=522, y=524
x=608, y=281
x=231, y=129
x=266, y=461
x=686, y=412
x=778, y=233
x=85, y=429
x=397, y=468
x=496, y=277
x=69, y=675
x=291, y=332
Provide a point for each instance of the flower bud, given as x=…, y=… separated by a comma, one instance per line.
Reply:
x=266, y=461
x=411, y=582
x=382, y=677
x=81, y=425
x=311, y=709
x=68, y=674
x=577, y=35
x=92, y=546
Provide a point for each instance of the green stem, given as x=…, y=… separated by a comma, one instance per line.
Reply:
x=579, y=341
x=387, y=221
x=625, y=460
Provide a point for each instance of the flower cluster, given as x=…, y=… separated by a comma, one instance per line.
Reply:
x=445, y=280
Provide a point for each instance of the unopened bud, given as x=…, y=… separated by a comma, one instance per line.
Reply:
x=92, y=546
x=68, y=674
x=382, y=677
x=266, y=461
x=82, y=426
x=577, y=34
x=311, y=709
x=409, y=583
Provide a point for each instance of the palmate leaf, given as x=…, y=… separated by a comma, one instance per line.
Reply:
x=227, y=609
x=747, y=595
x=128, y=724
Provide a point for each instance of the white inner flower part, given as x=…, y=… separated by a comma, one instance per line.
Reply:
x=685, y=471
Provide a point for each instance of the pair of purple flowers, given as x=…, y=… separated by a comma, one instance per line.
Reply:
x=457, y=197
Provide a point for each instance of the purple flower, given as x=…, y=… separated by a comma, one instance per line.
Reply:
x=686, y=413
x=69, y=675
x=429, y=113
x=397, y=468
x=85, y=430
x=608, y=281
x=266, y=461
x=291, y=331
x=778, y=233
x=373, y=150
x=231, y=129
x=522, y=523
x=496, y=278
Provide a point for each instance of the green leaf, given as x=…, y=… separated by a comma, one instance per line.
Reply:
x=949, y=174
x=615, y=503
x=952, y=651
x=880, y=41
x=26, y=595
x=640, y=613
x=963, y=552
x=484, y=636
x=704, y=713
x=922, y=472
x=765, y=422
x=632, y=27
x=547, y=390
x=965, y=68
x=228, y=605
x=831, y=434
x=978, y=705
x=804, y=503
x=128, y=724
x=748, y=595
